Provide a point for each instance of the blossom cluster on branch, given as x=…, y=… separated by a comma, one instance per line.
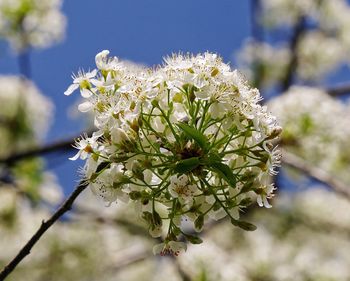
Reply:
x=315, y=128
x=324, y=23
x=25, y=116
x=302, y=238
x=24, y=119
x=31, y=23
x=186, y=141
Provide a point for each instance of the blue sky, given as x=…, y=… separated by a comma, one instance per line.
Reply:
x=138, y=30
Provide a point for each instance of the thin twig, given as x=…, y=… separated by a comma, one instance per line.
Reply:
x=45, y=225
x=257, y=34
x=65, y=144
x=24, y=64
x=256, y=28
x=316, y=173
x=299, y=30
x=340, y=90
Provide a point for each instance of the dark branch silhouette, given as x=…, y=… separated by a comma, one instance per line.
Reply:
x=65, y=144
x=298, y=31
x=339, y=90
x=257, y=32
x=45, y=225
x=315, y=173
x=24, y=64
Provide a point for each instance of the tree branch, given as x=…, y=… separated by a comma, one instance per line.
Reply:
x=339, y=90
x=24, y=64
x=256, y=30
x=316, y=173
x=45, y=225
x=299, y=30
x=65, y=144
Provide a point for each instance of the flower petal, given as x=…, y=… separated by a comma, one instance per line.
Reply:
x=71, y=89
x=85, y=106
x=85, y=93
x=76, y=156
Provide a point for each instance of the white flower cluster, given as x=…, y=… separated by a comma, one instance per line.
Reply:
x=24, y=119
x=287, y=12
x=316, y=62
x=316, y=127
x=269, y=63
x=31, y=23
x=331, y=30
x=185, y=141
x=329, y=15
x=303, y=238
x=25, y=115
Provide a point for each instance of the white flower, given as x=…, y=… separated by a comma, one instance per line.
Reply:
x=274, y=160
x=108, y=185
x=180, y=188
x=171, y=248
x=105, y=63
x=85, y=106
x=82, y=80
x=86, y=146
x=118, y=135
x=265, y=193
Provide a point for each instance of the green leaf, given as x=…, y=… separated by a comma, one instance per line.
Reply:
x=194, y=134
x=212, y=157
x=244, y=225
x=176, y=231
x=199, y=222
x=225, y=172
x=187, y=165
x=193, y=239
x=157, y=220
x=147, y=216
x=245, y=202
x=135, y=195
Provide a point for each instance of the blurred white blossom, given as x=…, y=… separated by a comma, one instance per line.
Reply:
x=322, y=47
x=315, y=61
x=304, y=238
x=31, y=23
x=269, y=63
x=316, y=127
x=25, y=114
x=79, y=249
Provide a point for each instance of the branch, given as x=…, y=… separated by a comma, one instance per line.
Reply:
x=299, y=30
x=65, y=144
x=45, y=225
x=339, y=90
x=256, y=29
x=316, y=173
x=24, y=64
